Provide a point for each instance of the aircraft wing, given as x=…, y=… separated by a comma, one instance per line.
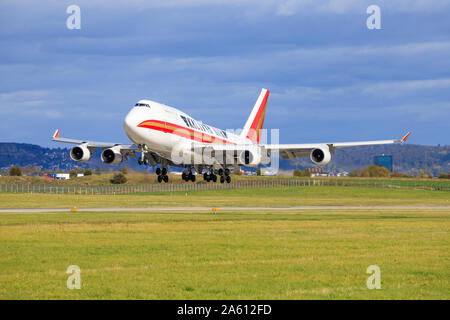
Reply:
x=292, y=151
x=94, y=144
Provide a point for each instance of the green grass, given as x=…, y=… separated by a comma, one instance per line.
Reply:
x=282, y=196
x=232, y=254
x=229, y=255
x=402, y=182
x=135, y=178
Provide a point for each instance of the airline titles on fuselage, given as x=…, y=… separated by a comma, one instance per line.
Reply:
x=191, y=123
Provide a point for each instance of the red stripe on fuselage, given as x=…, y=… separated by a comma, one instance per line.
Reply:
x=181, y=131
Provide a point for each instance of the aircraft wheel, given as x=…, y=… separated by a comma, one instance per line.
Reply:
x=205, y=175
x=227, y=172
x=228, y=179
x=158, y=171
x=214, y=178
x=192, y=178
x=140, y=161
x=208, y=178
x=222, y=179
x=166, y=178
x=220, y=172
x=160, y=178
x=164, y=171
x=186, y=176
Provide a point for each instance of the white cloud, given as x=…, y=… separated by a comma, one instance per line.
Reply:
x=291, y=7
x=288, y=7
x=23, y=96
x=28, y=103
x=279, y=7
x=394, y=88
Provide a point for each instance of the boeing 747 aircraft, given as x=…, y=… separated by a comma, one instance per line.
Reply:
x=165, y=136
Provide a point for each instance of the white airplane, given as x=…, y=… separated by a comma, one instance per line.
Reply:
x=165, y=136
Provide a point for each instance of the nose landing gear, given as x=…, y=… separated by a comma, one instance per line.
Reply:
x=143, y=159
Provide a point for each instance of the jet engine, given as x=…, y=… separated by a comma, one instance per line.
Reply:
x=112, y=156
x=321, y=155
x=80, y=153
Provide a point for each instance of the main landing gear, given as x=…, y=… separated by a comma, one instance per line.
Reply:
x=187, y=175
x=224, y=175
x=162, y=175
x=210, y=176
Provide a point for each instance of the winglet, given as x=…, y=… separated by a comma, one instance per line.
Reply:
x=56, y=134
x=405, y=137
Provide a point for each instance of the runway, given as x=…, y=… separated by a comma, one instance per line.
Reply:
x=158, y=209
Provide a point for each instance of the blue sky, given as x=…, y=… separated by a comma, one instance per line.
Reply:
x=331, y=79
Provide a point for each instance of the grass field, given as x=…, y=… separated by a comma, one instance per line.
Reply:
x=146, y=179
x=296, y=254
x=283, y=196
x=230, y=255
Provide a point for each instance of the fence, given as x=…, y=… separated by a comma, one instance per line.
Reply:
x=266, y=183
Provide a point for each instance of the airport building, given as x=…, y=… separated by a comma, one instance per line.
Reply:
x=318, y=172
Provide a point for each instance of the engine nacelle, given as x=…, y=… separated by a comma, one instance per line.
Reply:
x=112, y=156
x=321, y=155
x=249, y=157
x=80, y=153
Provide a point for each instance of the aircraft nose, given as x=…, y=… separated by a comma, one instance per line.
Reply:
x=130, y=120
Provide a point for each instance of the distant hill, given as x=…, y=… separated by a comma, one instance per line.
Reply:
x=407, y=158
x=23, y=154
x=56, y=159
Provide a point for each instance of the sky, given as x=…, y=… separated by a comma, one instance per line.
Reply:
x=330, y=77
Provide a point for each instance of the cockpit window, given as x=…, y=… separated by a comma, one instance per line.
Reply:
x=142, y=105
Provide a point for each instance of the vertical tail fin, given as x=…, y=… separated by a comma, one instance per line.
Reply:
x=253, y=127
